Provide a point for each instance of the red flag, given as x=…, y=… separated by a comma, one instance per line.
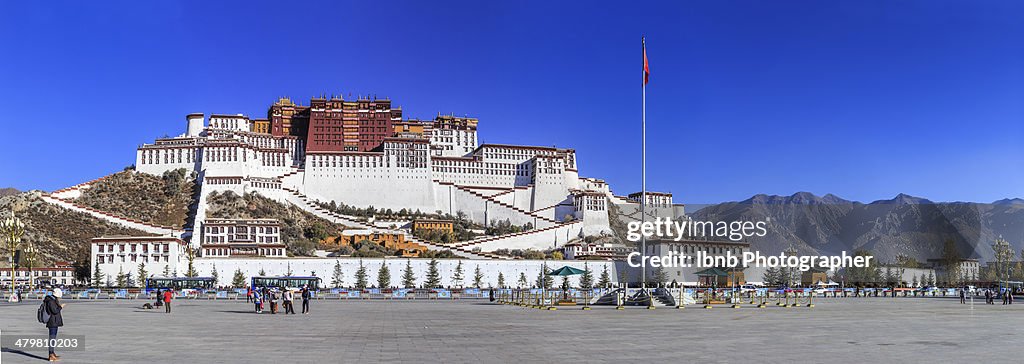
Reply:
x=647, y=71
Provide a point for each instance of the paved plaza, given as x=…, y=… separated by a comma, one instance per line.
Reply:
x=471, y=331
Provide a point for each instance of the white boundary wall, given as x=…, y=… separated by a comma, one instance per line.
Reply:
x=324, y=268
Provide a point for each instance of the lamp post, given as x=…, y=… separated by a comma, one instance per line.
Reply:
x=30, y=253
x=12, y=229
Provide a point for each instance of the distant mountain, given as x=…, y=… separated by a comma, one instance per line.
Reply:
x=905, y=224
x=8, y=192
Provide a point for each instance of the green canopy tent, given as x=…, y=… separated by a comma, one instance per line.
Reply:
x=565, y=272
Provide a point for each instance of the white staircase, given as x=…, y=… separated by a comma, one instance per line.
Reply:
x=113, y=218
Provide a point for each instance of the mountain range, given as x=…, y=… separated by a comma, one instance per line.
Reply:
x=904, y=225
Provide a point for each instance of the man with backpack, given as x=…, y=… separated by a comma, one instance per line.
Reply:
x=50, y=314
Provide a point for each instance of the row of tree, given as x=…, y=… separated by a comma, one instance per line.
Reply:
x=433, y=277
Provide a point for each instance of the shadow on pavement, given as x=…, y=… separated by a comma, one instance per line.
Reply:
x=30, y=355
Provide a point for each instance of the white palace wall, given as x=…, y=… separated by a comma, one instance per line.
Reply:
x=324, y=268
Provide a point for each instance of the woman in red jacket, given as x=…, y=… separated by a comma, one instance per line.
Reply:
x=167, y=301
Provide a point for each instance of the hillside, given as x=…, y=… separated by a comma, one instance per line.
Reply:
x=163, y=201
x=8, y=191
x=905, y=225
x=300, y=231
x=58, y=234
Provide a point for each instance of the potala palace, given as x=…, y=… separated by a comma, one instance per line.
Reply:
x=363, y=153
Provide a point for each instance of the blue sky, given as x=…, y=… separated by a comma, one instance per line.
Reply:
x=862, y=99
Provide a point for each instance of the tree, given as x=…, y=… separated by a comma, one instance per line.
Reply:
x=478, y=277
x=864, y=275
x=501, y=280
x=129, y=281
x=931, y=278
x=238, y=281
x=457, y=276
x=433, y=275
x=215, y=275
x=408, y=276
x=951, y=262
x=1004, y=254
x=544, y=280
x=890, y=277
x=772, y=276
x=522, y=280
x=262, y=273
x=142, y=275
x=660, y=276
x=338, y=278
x=913, y=282
x=361, y=276
x=288, y=273
x=605, y=280
x=384, y=276
x=167, y=270
x=906, y=261
x=97, y=276
x=587, y=279
x=121, y=278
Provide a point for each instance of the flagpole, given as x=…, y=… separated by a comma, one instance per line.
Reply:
x=643, y=169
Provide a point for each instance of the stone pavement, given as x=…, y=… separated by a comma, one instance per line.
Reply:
x=850, y=330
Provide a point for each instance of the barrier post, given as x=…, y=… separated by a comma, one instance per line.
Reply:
x=679, y=303
x=586, y=300
x=619, y=301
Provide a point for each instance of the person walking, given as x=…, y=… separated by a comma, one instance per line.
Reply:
x=289, y=301
x=1006, y=293
x=273, y=301
x=306, y=295
x=257, y=300
x=963, y=296
x=167, y=301
x=159, y=298
x=248, y=295
x=53, y=307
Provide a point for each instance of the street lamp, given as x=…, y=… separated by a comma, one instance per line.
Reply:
x=12, y=229
x=30, y=253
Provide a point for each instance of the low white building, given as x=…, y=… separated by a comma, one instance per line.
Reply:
x=242, y=237
x=126, y=254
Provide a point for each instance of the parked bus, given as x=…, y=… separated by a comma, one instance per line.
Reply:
x=292, y=283
x=179, y=283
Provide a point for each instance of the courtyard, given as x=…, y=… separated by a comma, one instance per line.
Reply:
x=469, y=331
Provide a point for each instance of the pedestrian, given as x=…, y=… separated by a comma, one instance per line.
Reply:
x=273, y=301
x=256, y=299
x=1009, y=294
x=289, y=307
x=306, y=295
x=963, y=296
x=248, y=294
x=53, y=308
x=1006, y=293
x=167, y=301
x=159, y=298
